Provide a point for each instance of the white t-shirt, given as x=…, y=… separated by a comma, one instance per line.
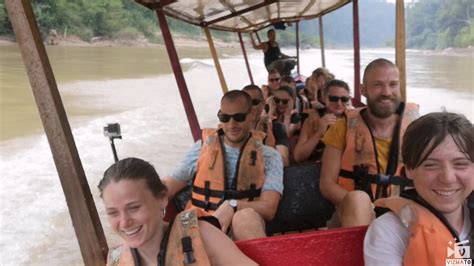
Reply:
x=387, y=239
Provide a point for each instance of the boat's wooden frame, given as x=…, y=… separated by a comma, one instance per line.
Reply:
x=84, y=216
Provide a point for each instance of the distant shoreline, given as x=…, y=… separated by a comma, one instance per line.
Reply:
x=200, y=42
x=178, y=40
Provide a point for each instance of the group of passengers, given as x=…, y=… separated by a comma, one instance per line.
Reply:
x=381, y=160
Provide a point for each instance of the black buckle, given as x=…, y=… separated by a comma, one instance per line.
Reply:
x=207, y=192
x=383, y=179
x=362, y=179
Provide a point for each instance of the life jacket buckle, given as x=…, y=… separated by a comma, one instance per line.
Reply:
x=187, y=244
x=383, y=179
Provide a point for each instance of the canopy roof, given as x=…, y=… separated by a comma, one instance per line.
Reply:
x=243, y=15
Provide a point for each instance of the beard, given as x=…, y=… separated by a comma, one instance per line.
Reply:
x=380, y=110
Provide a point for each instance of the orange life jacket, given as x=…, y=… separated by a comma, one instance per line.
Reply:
x=210, y=187
x=359, y=159
x=184, y=241
x=265, y=125
x=429, y=237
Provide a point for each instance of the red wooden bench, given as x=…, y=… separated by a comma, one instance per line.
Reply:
x=326, y=247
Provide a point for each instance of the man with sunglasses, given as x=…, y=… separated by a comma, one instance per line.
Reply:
x=276, y=136
x=361, y=159
x=235, y=177
x=336, y=98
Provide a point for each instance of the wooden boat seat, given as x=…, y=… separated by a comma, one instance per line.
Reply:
x=302, y=206
x=326, y=247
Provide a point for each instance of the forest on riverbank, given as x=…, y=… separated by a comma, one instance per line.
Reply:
x=430, y=24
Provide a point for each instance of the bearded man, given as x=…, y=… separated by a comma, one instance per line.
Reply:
x=361, y=160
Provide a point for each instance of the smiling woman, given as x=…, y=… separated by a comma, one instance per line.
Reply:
x=438, y=152
x=135, y=200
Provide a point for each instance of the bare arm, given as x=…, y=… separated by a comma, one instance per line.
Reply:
x=173, y=185
x=220, y=249
x=260, y=46
x=285, y=154
x=306, y=142
x=266, y=205
x=329, y=173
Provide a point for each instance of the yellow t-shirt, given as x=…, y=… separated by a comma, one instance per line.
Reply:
x=336, y=137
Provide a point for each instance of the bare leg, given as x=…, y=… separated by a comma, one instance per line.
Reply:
x=220, y=249
x=247, y=224
x=356, y=209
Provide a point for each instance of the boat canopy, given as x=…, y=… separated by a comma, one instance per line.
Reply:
x=242, y=15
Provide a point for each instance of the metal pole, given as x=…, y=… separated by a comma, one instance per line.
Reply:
x=355, y=17
x=242, y=45
x=298, y=47
x=400, y=46
x=321, y=40
x=215, y=57
x=178, y=74
x=114, y=151
x=85, y=219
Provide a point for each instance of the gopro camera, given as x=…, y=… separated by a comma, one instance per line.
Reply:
x=112, y=130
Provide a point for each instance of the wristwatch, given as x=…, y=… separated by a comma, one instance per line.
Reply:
x=233, y=204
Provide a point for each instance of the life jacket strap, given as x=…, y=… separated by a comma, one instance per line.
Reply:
x=207, y=194
x=205, y=205
x=228, y=194
x=363, y=180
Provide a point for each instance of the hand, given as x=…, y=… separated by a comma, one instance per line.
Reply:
x=289, y=108
x=272, y=106
x=224, y=214
x=326, y=121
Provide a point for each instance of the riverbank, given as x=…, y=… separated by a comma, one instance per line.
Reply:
x=180, y=41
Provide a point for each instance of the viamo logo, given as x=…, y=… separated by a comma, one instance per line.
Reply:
x=459, y=253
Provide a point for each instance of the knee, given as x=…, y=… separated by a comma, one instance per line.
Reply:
x=245, y=216
x=356, y=199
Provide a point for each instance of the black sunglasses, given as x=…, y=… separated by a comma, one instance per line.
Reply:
x=283, y=101
x=256, y=101
x=274, y=80
x=335, y=99
x=239, y=117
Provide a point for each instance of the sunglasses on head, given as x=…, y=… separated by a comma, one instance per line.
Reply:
x=335, y=99
x=255, y=102
x=283, y=101
x=239, y=117
x=274, y=80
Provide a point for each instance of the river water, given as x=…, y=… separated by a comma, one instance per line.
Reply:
x=134, y=86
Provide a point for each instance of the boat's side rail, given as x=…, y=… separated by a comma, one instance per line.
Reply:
x=326, y=247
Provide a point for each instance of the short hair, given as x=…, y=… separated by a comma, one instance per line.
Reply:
x=427, y=132
x=322, y=71
x=234, y=95
x=273, y=71
x=253, y=87
x=335, y=83
x=133, y=169
x=287, y=79
x=288, y=90
x=270, y=30
x=379, y=62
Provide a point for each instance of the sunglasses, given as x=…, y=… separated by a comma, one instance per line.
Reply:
x=335, y=99
x=274, y=80
x=255, y=102
x=239, y=117
x=283, y=101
